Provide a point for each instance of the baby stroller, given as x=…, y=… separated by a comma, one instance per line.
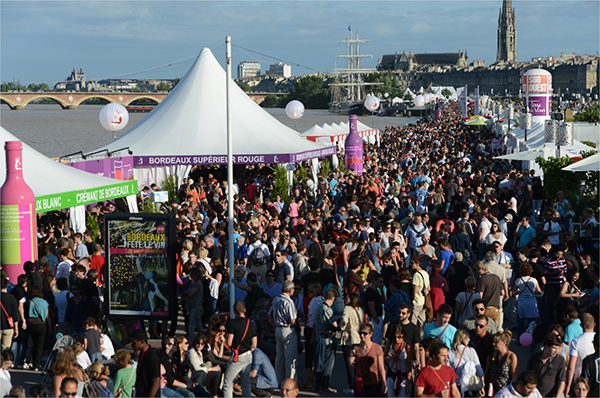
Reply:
x=62, y=342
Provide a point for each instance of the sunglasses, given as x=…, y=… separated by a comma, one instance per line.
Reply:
x=221, y=330
x=69, y=394
x=479, y=326
x=170, y=343
x=480, y=309
x=364, y=333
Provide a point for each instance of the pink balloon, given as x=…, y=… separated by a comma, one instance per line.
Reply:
x=526, y=339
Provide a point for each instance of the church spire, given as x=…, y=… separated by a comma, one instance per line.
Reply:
x=507, y=34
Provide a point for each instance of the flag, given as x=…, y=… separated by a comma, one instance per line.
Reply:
x=477, y=110
x=463, y=102
x=349, y=29
x=429, y=87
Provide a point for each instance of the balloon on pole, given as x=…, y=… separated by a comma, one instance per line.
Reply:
x=419, y=101
x=371, y=103
x=114, y=117
x=294, y=109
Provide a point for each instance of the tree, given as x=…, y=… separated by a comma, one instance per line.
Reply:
x=446, y=93
x=281, y=186
x=591, y=114
x=244, y=86
x=44, y=87
x=271, y=101
x=312, y=91
x=388, y=83
x=163, y=86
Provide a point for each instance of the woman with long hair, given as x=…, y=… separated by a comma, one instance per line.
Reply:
x=581, y=388
x=351, y=319
x=465, y=362
x=100, y=374
x=502, y=365
x=216, y=341
x=495, y=235
x=66, y=366
x=569, y=292
x=203, y=371
x=368, y=363
x=399, y=360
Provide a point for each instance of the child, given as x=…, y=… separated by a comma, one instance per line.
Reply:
x=92, y=340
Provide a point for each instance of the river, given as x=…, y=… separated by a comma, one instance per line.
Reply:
x=56, y=132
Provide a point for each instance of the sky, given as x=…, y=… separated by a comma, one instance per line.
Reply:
x=42, y=41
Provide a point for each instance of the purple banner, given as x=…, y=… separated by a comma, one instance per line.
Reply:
x=539, y=105
x=237, y=159
x=118, y=168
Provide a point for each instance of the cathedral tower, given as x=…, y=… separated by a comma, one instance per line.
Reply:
x=507, y=33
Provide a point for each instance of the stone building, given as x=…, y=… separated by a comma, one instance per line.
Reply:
x=77, y=82
x=507, y=34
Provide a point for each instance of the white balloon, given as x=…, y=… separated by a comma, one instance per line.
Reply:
x=371, y=103
x=294, y=109
x=419, y=101
x=114, y=117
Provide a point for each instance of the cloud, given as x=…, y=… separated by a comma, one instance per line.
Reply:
x=419, y=27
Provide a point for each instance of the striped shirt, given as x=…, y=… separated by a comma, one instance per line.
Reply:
x=283, y=310
x=556, y=264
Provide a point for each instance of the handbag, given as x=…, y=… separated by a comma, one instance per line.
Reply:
x=9, y=319
x=475, y=383
x=236, y=352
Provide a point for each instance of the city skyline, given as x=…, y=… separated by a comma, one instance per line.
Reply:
x=43, y=41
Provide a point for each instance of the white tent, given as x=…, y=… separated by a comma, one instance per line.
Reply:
x=190, y=127
x=591, y=163
x=58, y=186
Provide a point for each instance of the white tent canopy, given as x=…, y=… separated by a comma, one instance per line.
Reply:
x=190, y=126
x=57, y=186
x=591, y=163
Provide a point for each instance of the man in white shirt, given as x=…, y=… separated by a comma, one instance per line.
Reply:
x=524, y=387
x=581, y=347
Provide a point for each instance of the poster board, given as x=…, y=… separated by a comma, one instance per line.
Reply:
x=141, y=265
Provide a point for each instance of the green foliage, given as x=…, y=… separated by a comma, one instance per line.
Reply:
x=407, y=96
x=281, y=186
x=581, y=189
x=163, y=86
x=312, y=91
x=341, y=165
x=591, y=114
x=589, y=143
x=174, y=82
x=148, y=207
x=300, y=174
x=325, y=168
x=271, y=101
x=446, y=93
x=93, y=226
x=388, y=83
x=170, y=185
x=244, y=86
x=33, y=88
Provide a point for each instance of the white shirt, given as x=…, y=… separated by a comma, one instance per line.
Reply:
x=581, y=347
x=551, y=226
x=109, y=350
x=509, y=392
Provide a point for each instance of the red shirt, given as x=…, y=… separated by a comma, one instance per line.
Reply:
x=98, y=264
x=429, y=379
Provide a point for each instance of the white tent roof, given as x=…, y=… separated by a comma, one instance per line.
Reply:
x=591, y=163
x=190, y=126
x=314, y=131
x=58, y=186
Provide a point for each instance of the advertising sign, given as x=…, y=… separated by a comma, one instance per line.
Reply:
x=140, y=256
x=539, y=105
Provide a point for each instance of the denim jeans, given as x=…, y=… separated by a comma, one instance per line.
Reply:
x=96, y=357
x=167, y=392
x=196, y=311
x=324, y=365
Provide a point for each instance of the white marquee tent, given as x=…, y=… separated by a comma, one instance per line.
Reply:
x=58, y=186
x=189, y=127
x=591, y=163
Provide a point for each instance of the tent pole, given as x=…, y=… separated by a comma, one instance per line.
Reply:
x=230, y=256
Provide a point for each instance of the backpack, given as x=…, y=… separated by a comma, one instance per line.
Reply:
x=94, y=389
x=257, y=257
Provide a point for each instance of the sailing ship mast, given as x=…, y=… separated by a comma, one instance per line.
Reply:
x=349, y=86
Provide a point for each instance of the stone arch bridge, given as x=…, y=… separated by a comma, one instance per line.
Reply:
x=71, y=100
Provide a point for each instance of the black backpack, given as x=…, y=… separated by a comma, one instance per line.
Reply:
x=257, y=257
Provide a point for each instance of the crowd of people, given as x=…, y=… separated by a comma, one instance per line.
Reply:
x=424, y=271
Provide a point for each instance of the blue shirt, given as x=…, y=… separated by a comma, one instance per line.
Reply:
x=573, y=331
x=266, y=377
x=433, y=331
x=271, y=291
x=526, y=235
x=448, y=257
